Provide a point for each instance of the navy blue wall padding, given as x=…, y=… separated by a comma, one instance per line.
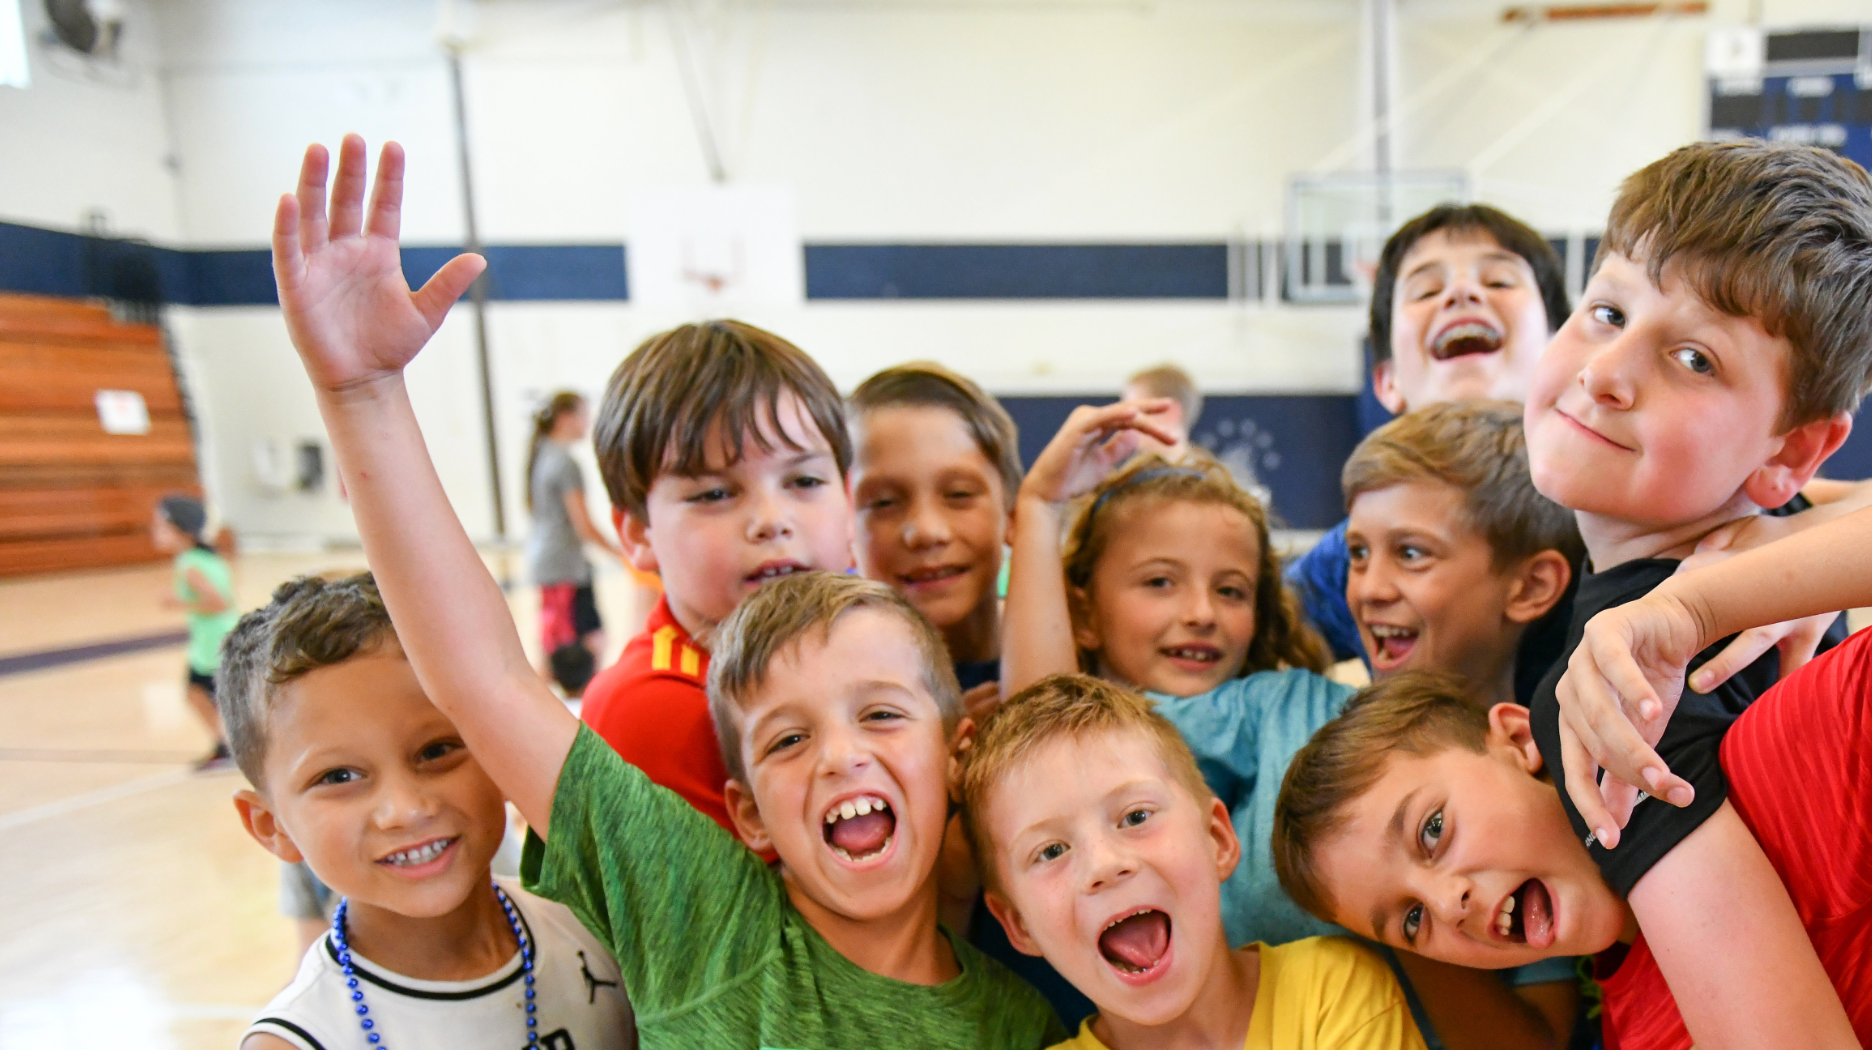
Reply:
x=1292, y=443
x=1016, y=271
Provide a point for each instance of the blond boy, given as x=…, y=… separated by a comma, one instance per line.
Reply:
x=1104, y=851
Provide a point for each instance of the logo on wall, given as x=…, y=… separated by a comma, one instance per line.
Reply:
x=1245, y=449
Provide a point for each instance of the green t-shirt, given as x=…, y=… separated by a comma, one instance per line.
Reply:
x=714, y=955
x=206, y=630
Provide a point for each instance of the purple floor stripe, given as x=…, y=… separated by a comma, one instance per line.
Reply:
x=46, y=659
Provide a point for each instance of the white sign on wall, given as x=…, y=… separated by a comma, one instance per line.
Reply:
x=122, y=412
x=711, y=251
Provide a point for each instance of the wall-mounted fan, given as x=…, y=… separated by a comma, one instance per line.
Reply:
x=89, y=27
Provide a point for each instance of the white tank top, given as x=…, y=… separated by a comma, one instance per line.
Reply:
x=582, y=1005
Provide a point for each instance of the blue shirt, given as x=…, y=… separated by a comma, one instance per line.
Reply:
x=1319, y=578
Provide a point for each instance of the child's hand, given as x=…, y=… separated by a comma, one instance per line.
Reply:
x=981, y=701
x=1089, y=445
x=1796, y=639
x=1616, y=697
x=352, y=316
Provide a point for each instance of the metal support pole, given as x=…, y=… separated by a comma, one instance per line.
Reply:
x=478, y=296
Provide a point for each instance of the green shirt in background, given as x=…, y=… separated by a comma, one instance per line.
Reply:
x=714, y=955
x=206, y=630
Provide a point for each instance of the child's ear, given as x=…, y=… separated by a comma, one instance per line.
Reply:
x=959, y=743
x=1802, y=451
x=1384, y=387
x=634, y=535
x=1511, y=728
x=746, y=816
x=1079, y=604
x=257, y=817
x=1010, y=919
x=1222, y=833
x=1538, y=586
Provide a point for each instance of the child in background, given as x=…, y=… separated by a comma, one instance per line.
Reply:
x=933, y=480
x=1174, y=385
x=1104, y=850
x=1464, y=300
x=555, y=550
x=835, y=705
x=1170, y=587
x=724, y=450
x=203, y=587
x=358, y=776
x=572, y=669
x=935, y=468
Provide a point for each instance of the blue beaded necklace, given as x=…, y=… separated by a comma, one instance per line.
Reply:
x=375, y=1039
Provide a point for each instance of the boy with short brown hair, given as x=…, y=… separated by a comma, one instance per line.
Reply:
x=1104, y=850
x=838, y=945
x=1186, y=401
x=1453, y=554
x=724, y=450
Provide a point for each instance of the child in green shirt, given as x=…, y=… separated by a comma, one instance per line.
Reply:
x=204, y=588
x=837, y=714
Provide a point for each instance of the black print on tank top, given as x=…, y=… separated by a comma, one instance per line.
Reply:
x=592, y=983
x=559, y=1040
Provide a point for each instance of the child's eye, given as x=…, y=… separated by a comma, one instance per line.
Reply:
x=1409, y=553
x=785, y=742
x=1432, y=832
x=808, y=481
x=1608, y=315
x=336, y=777
x=1134, y=817
x=1232, y=592
x=1356, y=552
x=1695, y=360
x=881, y=716
x=714, y=495
x=1158, y=582
x=880, y=503
x=437, y=749
x=1051, y=851
x=1413, y=921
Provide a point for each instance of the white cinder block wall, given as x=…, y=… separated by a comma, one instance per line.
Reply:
x=892, y=120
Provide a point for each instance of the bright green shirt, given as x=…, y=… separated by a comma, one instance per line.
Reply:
x=206, y=630
x=714, y=955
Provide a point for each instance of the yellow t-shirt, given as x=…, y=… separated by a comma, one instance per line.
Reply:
x=1322, y=993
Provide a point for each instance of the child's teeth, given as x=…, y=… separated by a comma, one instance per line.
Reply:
x=863, y=806
x=1508, y=906
x=847, y=810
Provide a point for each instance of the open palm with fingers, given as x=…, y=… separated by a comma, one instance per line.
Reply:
x=348, y=308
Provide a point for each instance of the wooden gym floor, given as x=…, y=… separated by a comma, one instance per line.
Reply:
x=136, y=911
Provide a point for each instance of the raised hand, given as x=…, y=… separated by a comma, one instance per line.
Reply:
x=1620, y=687
x=1090, y=443
x=351, y=314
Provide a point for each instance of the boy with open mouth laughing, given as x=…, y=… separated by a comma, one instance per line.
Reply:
x=827, y=692
x=1105, y=851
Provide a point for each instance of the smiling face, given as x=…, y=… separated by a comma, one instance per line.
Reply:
x=1469, y=858
x=1107, y=865
x=1653, y=408
x=1467, y=323
x=1170, y=606
x=1423, y=587
x=371, y=785
x=932, y=516
x=717, y=536
x=848, y=765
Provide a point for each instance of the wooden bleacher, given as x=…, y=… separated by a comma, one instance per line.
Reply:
x=71, y=495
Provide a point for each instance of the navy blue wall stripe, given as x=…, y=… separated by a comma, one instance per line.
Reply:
x=1016, y=271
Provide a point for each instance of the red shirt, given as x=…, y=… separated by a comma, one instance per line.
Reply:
x=652, y=708
x=1799, y=764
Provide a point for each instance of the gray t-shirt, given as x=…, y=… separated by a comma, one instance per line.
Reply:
x=554, y=552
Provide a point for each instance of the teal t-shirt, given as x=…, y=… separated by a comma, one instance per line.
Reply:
x=206, y=630
x=714, y=955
